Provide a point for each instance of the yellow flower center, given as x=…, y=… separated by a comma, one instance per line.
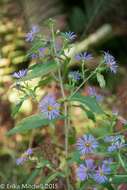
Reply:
x=50, y=108
x=87, y=145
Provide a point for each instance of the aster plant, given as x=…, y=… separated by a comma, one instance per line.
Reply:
x=96, y=156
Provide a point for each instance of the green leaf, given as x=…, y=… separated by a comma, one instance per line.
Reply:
x=35, y=46
x=42, y=164
x=40, y=70
x=44, y=82
x=90, y=115
x=108, y=186
x=121, y=161
x=32, y=122
x=34, y=174
x=88, y=101
x=16, y=108
x=101, y=80
x=119, y=179
x=53, y=176
x=74, y=157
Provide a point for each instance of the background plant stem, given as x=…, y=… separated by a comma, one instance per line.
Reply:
x=65, y=106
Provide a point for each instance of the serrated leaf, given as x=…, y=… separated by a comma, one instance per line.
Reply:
x=101, y=80
x=32, y=122
x=40, y=70
x=88, y=101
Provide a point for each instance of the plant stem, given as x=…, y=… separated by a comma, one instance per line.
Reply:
x=65, y=107
x=122, y=162
x=84, y=81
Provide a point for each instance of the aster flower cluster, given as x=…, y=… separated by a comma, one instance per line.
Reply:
x=49, y=107
x=97, y=170
x=24, y=157
x=91, y=170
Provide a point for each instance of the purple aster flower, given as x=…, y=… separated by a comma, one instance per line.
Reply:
x=101, y=172
x=31, y=35
x=117, y=142
x=92, y=92
x=34, y=56
x=35, y=29
x=113, y=138
x=85, y=170
x=20, y=161
x=87, y=144
x=111, y=62
x=108, y=161
x=116, y=146
x=70, y=35
x=29, y=151
x=41, y=52
x=109, y=139
x=20, y=74
x=84, y=56
x=75, y=75
x=49, y=107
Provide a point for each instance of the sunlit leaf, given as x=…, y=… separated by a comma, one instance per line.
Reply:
x=40, y=70
x=17, y=107
x=88, y=101
x=32, y=122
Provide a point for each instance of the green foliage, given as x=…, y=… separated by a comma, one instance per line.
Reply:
x=40, y=70
x=119, y=179
x=17, y=107
x=88, y=101
x=101, y=80
x=29, y=123
x=53, y=66
x=33, y=175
